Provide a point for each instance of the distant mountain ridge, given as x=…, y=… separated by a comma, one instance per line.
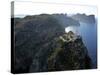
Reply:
x=84, y=18
x=65, y=20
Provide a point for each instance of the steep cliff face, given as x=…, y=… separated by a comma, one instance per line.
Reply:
x=70, y=54
x=33, y=38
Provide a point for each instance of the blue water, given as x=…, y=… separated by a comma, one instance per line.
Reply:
x=89, y=37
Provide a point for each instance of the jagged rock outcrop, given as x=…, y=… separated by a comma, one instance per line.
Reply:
x=70, y=54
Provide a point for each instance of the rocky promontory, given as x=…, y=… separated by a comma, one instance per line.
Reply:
x=70, y=54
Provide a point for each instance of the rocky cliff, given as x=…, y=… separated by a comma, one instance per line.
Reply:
x=70, y=54
x=41, y=45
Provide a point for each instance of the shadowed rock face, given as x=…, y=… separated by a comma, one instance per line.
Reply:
x=33, y=39
x=38, y=47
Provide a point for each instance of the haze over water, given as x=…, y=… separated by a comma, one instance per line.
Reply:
x=89, y=37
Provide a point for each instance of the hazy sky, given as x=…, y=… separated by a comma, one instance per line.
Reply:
x=31, y=8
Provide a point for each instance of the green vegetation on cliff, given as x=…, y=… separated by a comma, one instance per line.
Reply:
x=69, y=55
